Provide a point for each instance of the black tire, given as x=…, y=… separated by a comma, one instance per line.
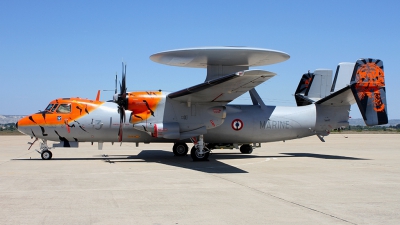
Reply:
x=197, y=157
x=246, y=149
x=180, y=149
x=46, y=155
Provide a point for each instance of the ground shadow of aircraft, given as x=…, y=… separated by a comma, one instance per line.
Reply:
x=321, y=156
x=284, y=155
x=214, y=165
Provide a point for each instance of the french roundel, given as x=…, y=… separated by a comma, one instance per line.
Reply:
x=237, y=124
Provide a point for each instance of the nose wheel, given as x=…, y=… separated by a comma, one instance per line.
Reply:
x=45, y=152
x=46, y=155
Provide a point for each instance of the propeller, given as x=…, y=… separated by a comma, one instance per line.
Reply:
x=122, y=101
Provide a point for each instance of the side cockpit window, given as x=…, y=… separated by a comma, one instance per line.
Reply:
x=48, y=108
x=64, y=108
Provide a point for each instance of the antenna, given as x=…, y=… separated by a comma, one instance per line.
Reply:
x=115, y=90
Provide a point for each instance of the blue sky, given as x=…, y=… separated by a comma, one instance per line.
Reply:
x=52, y=49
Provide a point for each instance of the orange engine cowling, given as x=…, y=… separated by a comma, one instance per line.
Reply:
x=143, y=104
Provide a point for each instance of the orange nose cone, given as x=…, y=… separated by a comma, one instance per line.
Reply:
x=23, y=125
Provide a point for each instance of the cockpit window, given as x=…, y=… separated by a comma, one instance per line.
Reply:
x=54, y=108
x=49, y=107
x=64, y=108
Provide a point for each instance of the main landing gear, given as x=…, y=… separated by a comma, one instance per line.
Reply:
x=45, y=152
x=198, y=155
x=246, y=149
x=180, y=149
x=199, y=151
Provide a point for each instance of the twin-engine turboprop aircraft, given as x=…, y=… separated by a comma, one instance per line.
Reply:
x=201, y=113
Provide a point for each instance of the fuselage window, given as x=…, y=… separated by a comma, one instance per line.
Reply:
x=54, y=108
x=64, y=108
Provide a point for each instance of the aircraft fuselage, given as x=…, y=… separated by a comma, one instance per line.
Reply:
x=95, y=121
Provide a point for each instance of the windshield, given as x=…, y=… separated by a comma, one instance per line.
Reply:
x=49, y=107
x=54, y=108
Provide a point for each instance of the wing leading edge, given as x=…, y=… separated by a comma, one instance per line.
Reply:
x=224, y=89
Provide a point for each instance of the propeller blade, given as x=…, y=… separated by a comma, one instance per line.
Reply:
x=123, y=85
x=116, y=77
x=122, y=116
x=120, y=132
x=121, y=123
x=121, y=100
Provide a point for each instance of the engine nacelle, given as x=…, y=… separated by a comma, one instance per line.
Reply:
x=160, y=130
x=143, y=105
x=166, y=130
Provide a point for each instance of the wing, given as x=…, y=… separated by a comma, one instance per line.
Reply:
x=223, y=89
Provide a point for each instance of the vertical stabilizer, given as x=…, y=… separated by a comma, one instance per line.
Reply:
x=368, y=87
x=343, y=74
x=303, y=88
x=322, y=82
x=313, y=86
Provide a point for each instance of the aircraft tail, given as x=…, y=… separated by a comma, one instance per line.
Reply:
x=313, y=86
x=368, y=87
x=301, y=94
x=363, y=83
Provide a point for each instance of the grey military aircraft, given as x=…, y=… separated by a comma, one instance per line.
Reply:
x=202, y=115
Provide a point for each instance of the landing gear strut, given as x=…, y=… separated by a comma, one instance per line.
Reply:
x=199, y=156
x=180, y=149
x=45, y=152
x=199, y=151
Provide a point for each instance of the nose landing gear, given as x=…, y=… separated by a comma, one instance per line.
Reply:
x=44, y=151
x=46, y=154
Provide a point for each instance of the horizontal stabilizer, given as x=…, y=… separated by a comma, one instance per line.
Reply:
x=302, y=100
x=338, y=98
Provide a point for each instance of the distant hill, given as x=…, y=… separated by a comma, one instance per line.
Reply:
x=360, y=122
x=4, y=119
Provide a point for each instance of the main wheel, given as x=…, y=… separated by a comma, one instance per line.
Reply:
x=46, y=155
x=196, y=156
x=180, y=149
x=246, y=149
